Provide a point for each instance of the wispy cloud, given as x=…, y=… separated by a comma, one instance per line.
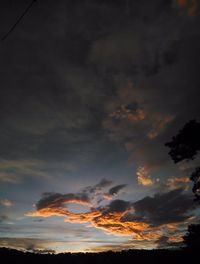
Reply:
x=30, y=244
x=9, y=177
x=14, y=170
x=4, y=218
x=6, y=203
x=159, y=124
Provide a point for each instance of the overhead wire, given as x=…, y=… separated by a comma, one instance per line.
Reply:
x=18, y=20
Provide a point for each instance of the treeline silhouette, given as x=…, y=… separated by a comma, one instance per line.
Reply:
x=110, y=257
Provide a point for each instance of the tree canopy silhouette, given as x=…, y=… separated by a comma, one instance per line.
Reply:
x=187, y=143
x=185, y=146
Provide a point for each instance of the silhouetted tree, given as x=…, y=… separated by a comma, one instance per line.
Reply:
x=185, y=146
x=192, y=237
x=187, y=143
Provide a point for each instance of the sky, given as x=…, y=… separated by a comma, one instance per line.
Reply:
x=90, y=93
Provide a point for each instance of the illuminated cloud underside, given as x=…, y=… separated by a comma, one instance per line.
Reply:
x=144, y=220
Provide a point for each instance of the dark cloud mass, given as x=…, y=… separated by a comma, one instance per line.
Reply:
x=170, y=207
x=97, y=187
x=114, y=190
x=93, y=90
x=57, y=200
x=118, y=206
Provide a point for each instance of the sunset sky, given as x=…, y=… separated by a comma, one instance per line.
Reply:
x=90, y=92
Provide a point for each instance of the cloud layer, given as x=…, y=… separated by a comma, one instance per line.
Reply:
x=147, y=219
x=94, y=89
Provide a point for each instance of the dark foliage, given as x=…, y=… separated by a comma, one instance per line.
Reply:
x=186, y=144
x=192, y=238
x=132, y=256
x=195, y=177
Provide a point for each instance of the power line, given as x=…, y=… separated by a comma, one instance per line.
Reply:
x=18, y=20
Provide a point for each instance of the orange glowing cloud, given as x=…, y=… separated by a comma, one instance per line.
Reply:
x=176, y=238
x=111, y=222
x=109, y=218
x=68, y=216
x=139, y=220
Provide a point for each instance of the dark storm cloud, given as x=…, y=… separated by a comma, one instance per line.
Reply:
x=131, y=48
x=65, y=70
x=56, y=101
x=170, y=207
x=118, y=206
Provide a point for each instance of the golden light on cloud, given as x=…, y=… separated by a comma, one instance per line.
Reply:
x=145, y=220
x=110, y=222
x=176, y=238
x=173, y=183
x=143, y=176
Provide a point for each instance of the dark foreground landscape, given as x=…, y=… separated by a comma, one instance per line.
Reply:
x=133, y=256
